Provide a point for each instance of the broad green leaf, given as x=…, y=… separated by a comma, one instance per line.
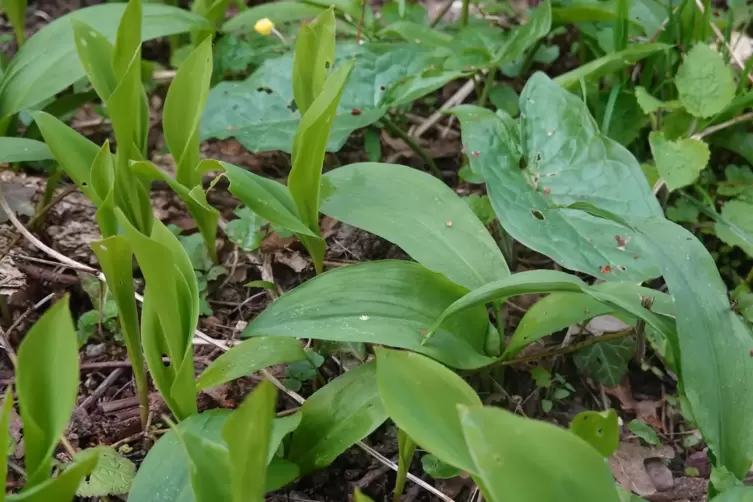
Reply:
x=607, y=362
x=267, y=198
x=5, y=436
x=260, y=112
x=737, y=227
x=164, y=475
x=566, y=159
x=419, y=33
x=209, y=467
x=63, y=487
x=247, y=433
x=47, y=63
x=525, y=457
x=384, y=302
x=277, y=12
x=650, y=104
x=558, y=311
x=679, y=162
x=23, y=150
x=609, y=64
x=182, y=111
x=113, y=475
x=422, y=397
x=442, y=234
x=47, y=385
x=170, y=313
x=705, y=82
x=626, y=121
x=406, y=448
x=250, y=357
x=644, y=431
x=336, y=417
x=438, y=469
x=735, y=494
x=600, y=429
x=313, y=59
x=95, y=53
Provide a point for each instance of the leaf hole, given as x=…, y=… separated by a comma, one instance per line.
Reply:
x=621, y=267
x=599, y=432
x=327, y=65
x=264, y=89
x=292, y=106
x=538, y=214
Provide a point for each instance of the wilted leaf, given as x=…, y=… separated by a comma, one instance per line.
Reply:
x=705, y=82
x=18, y=198
x=113, y=475
x=607, y=361
x=679, y=162
x=628, y=466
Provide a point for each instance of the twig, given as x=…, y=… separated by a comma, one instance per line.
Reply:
x=17, y=322
x=360, y=21
x=718, y=127
x=413, y=144
x=101, y=388
x=444, y=10
x=454, y=100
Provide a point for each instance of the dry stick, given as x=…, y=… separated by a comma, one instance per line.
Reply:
x=454, y=100
x=201, y=336
x=444, y=10
x=101, y=388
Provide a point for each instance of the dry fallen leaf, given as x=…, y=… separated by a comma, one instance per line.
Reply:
x=628, y=466
x=18, y=198
x=644, y=410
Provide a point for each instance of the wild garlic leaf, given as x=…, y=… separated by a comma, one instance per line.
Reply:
x=679, y=162
x=705, y=82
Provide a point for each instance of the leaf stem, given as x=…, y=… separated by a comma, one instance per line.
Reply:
x=488, y=84
x=413, y=144
x=464, y=13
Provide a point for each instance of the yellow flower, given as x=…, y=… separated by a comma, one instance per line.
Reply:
x=264, y=26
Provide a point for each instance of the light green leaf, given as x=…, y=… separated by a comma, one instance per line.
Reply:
x=406, y=448
x=127, y=38
x=386, y=302
x=209, y=466
x=650, y=104
x=735, y=494
x=738, y=212
x=606, y=361
x=182, y=111
x=95, y=53
x=5, y=438
x=600, y=429
x=522, y=456
x=277, y=12
x=566, y=160
x=336, y=417
x=23, y=150
x=47, y=385
x=247, y=231
x=438, y=469
x=250, y=357
x=358, y=496
x=705, y=82
x=443, y=234
x=313, y=59
x=47, y=63
x=421, y=396
x=16, y=12
x=63, y=487
x=247, y=433
x=610, y=63
x=113, y=475
x=679, y=162
x=644, y=431
x=538, y=26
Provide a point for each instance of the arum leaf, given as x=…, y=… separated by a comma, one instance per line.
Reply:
x=566, y=160
x=494, y=436
x=113, y=475
x=679, y=162
x=386, y=302
x=47, y=380
x=644, y=431
x=606, y=361
x=735, y=494
x=421, y=396
x=443, y=235
x=47, y=63
x=250, y=357
x=705, y=82
x=538, y=26
x=336, y=417
x=600, y=429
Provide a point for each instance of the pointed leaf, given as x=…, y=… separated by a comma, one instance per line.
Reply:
x=607, y=362
x=534, y=460
x=313, y=59
x=63, y=487
x=47, y=380
x=406, y=447
x=386, y=302
x=5, y=436
x=358, y=496
x=23, y=150
x=421, y=396
x=336, y=417
x=127, y=39
x=443, y=234
x=679, y=162
x=209, y=466
x=95, y=53
x=705, y=82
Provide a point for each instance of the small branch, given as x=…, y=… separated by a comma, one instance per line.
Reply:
x=724, y=125
x=454, y=100
x=444, y=10
x=360, y=21
x=413, y=144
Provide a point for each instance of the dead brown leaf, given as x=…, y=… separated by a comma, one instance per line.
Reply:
x=644, y=410
x=628, y=466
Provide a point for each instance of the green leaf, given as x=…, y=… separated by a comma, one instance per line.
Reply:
x=679, y=162
x=606, y=361
x=406, y=449
x=336, y=417
x=600, y=429
x=113, y=475
x=644, y=431
x=47, y=63
x=421, y=396
x=5, y=438
x=127, y=38
x=170, y=313
x=47, y=385
x=164, y=476
x=358, y=496
x=386, y=302
x=705, y=82
x=524, y=457
x=313, y=58
x=738, y=214
x=438, y=469
x=735, y=494
x=247, y=433
x=23, y=150
x=96, y=55
x=250, y=357
x=443, y=234
x=610, y=63
x=63, y=487
x=277, y=12
x=566, y=160
x=184, y=103
x=16, y=12
x=538, y=26
x=247, y=231
x=650, y=104
x=209, y=466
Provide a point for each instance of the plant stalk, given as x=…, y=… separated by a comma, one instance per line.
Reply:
x=464, y=13
x=396, y=131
